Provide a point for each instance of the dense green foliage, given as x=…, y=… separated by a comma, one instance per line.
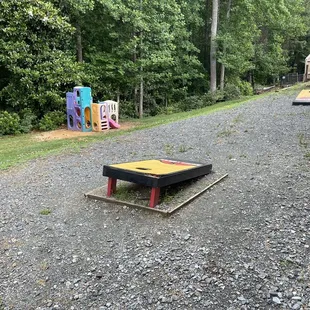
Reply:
x=52, y=120
x=147, y=53
x=9, y=123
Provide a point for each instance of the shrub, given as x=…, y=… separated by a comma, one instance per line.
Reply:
x=209, y=99
x=9, y=123
x=190, y=103
x=170, y=109
x=246, y=88
x=231, y=92
x=127, y=109
x=27, y=120
x=52, y=120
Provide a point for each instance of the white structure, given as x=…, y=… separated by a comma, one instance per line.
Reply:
x=113, y=109
x=307, y=69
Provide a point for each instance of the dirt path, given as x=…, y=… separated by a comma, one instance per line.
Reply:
x=67, y=134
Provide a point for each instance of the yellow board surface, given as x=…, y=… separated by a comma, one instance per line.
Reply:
x=304, y=94
x=155, y=166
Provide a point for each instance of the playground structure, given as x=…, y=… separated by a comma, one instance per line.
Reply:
x=84, y=115
x=303, y=98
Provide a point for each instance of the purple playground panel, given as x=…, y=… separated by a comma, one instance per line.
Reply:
x=73, y=113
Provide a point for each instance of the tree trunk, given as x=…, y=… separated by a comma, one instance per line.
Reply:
x=252, y=79
x=207, y=35
x=79, y=48
x=213, y=47
x=141, y=71
x=136, y=101
x=222, y=78
x=136, y=87
x=141, y=96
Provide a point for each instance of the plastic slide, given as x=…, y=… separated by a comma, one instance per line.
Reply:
x=113, y=124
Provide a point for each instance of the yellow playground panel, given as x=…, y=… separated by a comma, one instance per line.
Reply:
x=302, y=98
x=99, y=117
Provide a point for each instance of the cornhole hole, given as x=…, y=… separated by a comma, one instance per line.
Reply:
x=303, y=98
x=157, y=173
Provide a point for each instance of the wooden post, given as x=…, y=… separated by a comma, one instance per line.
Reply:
x=111, y=186
x=155, y=192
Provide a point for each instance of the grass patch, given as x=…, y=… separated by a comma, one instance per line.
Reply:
x=184, y=148
x=15, y=150
x=225, y=133
x=139, y=194
x=19, y=149
x=286, y=263
x=44, y=266
x=174, y=191
x=45, y=212
x=302, y=140
x=133, y=193
x=127, y=192
x=307, y=156
x=237, y=119
x=169, y=149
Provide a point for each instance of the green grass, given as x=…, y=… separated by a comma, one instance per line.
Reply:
x=225, y=133
x=286, y=263
x=237, y=119
x=302, y=140
x=128, y=192
x=140, y=194
x=19, y=149
x=184, y=148
x=45, y=212
x=15, y=150
x=307, y=156
x=169, y=149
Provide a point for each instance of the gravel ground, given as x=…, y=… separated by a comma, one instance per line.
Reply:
x=242, y=245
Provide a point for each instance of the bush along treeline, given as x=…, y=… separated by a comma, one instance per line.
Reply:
x=153, y=56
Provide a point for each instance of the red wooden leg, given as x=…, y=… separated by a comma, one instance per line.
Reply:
x=154, y=196
x=111, y=186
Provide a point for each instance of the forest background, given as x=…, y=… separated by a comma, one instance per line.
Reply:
x=153, y=56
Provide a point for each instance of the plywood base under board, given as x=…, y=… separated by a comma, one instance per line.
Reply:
x=100, y=194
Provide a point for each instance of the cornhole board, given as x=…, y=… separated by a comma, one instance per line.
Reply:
x=154, y=173
x=303, y=98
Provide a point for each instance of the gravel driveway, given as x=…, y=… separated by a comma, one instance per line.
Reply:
x=242, y=245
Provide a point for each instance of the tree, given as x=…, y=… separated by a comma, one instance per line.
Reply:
x=222, y=76
x=254, y=38
x=213, y=45
x=236, y=37
x=154, y=37
x=34, y=57
x=277, y=23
